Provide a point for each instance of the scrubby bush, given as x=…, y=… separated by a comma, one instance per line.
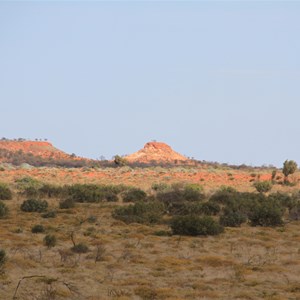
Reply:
x=67, y=203
x=294, y=211
x=94, y=193
x=224, y=197
x=289, y=167
x=182, y=208
x=2, y=258
x=28, y=186
x=50, y=240
x=170, y=197
x=263, y=186
x=49, y=214
x=140, y=212
x=3, y=210
x=50, y=191
x=33, y=205
x=232, y=218
x=38, y=229
x=210, y=208
x=267, y=213
x=159, y=187
x=80, y=248
x=195, y=225
x=5, y=192
x=193, y=192
x=120, y=161
x=193, y=208
x=283, y=199
x=134, y=195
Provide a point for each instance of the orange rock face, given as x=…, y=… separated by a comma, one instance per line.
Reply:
x=157, y=152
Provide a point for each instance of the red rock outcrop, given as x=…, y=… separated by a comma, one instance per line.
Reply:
x=36, y=148
x=156, y=152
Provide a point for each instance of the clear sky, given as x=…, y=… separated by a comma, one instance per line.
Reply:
x=216, y=80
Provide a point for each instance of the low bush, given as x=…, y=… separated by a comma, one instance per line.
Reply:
x=179, y=195
x=5, y=192
x=38, y=229
x=2, y=258
x=195, y=225
x=140, y=212
x=134, y=195
x=3, y=210
x=94, y=192
x=80, y=248
x=263, y=186
x=294, y=212
x=283, y=199
x=49, y=214
x=232, y=218
x=33, y=205
x=67, y=203
x=210, y=208
x=193, y=208
x=267, y=213
x=159, y=187
x=193, y=192
x=224, y=197
x=50, y=240
x=50, y=191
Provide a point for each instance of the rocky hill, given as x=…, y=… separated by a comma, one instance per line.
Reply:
x=36, y=148
x=36, y=153
x=156, y=152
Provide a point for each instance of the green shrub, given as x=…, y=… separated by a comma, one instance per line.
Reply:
x=33, y=205
x=120, y=161
x=50, y=240
x=194, y=225
x=111, y=197
x=3, y=210
x=38, y=229
x=134, y=195
x=28, y=186
x=193, y=208
x=263, y=186
x=93, y=192
x=183, y=208
x=210, y=208
x=224, y=197
x=283, y=199
x=159, y=187
x=289, y=167
x=5, y=192
x=294, y=212
x=67, y=203
x=50, y=191
x=80, y=248
x=193, y=192
x=232, y=218
x=140, y=212
x=267, y=213
x=49, y=214
x=2, y=258
x=181, y=193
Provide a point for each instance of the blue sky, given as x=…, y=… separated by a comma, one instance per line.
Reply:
x=218, y=81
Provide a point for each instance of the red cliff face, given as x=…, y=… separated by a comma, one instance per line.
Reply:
x=156, y=151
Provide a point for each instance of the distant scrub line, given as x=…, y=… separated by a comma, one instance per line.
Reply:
x=184, y=207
